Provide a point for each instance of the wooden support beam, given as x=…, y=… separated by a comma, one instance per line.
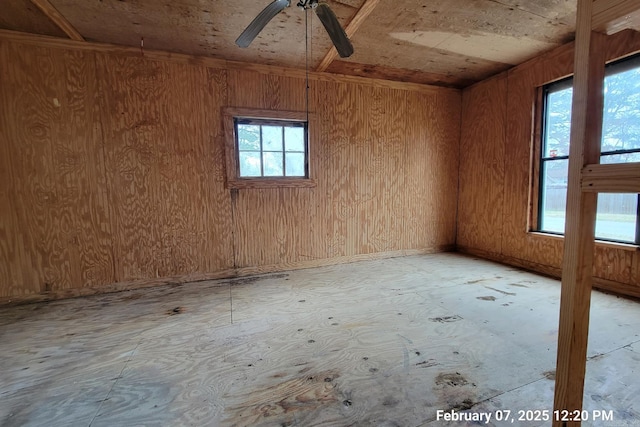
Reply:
x=58, y=19
x=608, y=11
x=579, y=241
x=351, y=28
x=611, y=178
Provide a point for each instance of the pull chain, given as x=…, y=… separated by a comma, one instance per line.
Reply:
x=306, y=58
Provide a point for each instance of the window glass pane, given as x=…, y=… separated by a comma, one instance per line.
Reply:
x=272, y=138
x=272, y=164
x=249, y=163
x=621, y=119
x=616, y=217
x=621, y=158
x=294, y=139
x=558, y=123
x=554, y=195
x=294, y=163
x=248, y=137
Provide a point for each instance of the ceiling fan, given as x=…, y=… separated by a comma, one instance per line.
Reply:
x=324, y=12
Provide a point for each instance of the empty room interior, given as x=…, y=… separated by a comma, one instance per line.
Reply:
x=336, y=213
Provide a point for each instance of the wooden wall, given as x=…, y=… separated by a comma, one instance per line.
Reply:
x=496, y=178
x=112, y=172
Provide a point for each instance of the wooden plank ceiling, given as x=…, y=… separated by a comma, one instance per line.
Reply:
x=444, y=42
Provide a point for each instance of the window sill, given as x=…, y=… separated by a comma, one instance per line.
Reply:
x=603, y=243
x=248, y=183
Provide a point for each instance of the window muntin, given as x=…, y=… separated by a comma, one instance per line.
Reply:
x=271, y=148
x=274, y=148
x=618, y=217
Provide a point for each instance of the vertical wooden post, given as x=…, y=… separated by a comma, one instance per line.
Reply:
x=586, y=134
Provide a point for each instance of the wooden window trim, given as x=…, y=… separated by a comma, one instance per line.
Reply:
x=534, y=161
x=630, y=61
x=234, y=181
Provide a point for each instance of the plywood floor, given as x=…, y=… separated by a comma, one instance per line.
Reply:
x=381, y=343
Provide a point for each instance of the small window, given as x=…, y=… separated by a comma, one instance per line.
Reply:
x=266, y=148
x=618, y=215
x=269, y=148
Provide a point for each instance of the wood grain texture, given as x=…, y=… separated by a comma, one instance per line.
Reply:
x=57, y=18
x=23, y=15
x=360, y=152
x=376, y=343
x=617, y=285
x=482, y=165
x=431, y=168
x=62, y=233
x=608, y=12
x=517, y=243
x=409, y=36
x=207, y=29
x=398, y=74
x=579, y=241
x=350, y=29
x=11, y=277
x=146, y=134
x=614, y=178
x=163, y=55
x=165, y=165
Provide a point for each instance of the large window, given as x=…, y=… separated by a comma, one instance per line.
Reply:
x=266, y=149
x=618, y=215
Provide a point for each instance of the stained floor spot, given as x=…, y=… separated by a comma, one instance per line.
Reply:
x=550, y=375
x=519, y=285
x=390, y=401
x=462, y=406
x=174, y=311
x=502, y=292
x=487, y=298
x=254, y=279
x=446, y=319
x=427, y=363
x=453, y=379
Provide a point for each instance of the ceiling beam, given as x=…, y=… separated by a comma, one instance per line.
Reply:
x=353, y=25
x=57, y=18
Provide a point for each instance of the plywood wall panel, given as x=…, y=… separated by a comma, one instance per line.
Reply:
x=484, y=115
x=114, y=169
x=384, y=181
x=511, y=240
x=133, y=90
x=431, y=168
x=272, y=226
x=164, y=161
x=11, y=276
x=61, y=220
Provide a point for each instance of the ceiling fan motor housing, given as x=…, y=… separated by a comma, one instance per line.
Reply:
x=308, y=4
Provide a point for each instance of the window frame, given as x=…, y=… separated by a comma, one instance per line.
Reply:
x=539, y=160
x=230, y=116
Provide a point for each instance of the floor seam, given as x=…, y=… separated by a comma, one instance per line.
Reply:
x=114, y=383
x=596, y=356
x=489, y=398
x=626, y=346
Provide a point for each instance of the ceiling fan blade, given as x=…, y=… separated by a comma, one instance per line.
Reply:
x=260, y=21
x=333, y=27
